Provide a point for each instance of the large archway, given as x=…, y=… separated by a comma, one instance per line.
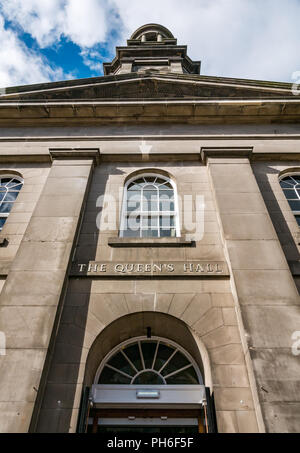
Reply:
x=145, y=373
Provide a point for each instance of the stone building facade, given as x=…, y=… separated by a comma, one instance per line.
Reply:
x=192, y=318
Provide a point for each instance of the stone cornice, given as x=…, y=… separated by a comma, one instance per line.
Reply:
x=127, y=112
x=53, y=154
x=134, y=77
x=226, y=153
x=124, y=138
x=75, y=154
x=153, y=51
x=202, y=154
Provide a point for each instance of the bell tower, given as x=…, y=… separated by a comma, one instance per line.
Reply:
x=152, y=49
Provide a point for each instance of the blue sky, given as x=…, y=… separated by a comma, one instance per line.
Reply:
x=48, y=40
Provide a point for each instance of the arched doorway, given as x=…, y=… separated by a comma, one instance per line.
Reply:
x=147, y=383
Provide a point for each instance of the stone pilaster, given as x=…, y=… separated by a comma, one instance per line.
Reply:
x=266, y=295
x=30, y=299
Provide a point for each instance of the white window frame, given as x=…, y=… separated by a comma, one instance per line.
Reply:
x=290, y=175
x=142, y=213
x=5, y=215
x=138, y=340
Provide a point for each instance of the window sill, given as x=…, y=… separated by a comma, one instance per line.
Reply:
x=150, y=242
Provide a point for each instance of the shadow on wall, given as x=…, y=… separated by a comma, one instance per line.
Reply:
x=285, y=237
x=60, y=382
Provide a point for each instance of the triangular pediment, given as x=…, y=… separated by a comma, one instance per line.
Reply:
x=150, y=86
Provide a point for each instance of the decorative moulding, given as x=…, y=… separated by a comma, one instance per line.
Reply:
x=75, y=153
x=226, y=153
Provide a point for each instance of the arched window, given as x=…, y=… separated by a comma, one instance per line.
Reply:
x=146, y=361
x=150, y=208
x=291, y=188
x=10, y=187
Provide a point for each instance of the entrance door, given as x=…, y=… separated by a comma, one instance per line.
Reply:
x=147, y=421
x=147, y=385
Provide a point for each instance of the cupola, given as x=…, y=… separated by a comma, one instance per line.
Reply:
x=152, y=48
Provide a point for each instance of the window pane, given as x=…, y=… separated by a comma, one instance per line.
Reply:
x=9, y=190
x=16, y=186
x=296, y=178
x=133, y=201
x=290, y=194
x=150, y=188
x=150, y=178
x=133, y=223
x=177, y=362
x=134, y=187
x=298, y=219
x=150, y=234
x=163, y=354
x=132, y=226
x=171, y=233
x=11, y=196
x=12, y=183
x=2, y=222
x=118, y=361
x=186, y=377
x=167, y=185
x=150, y=221
x=166, y=200
x=160, y=181
x=295, y=205
x=148, y=349
x=288, y=179
x=4, y=181
x=130, y=233
x=150, y=201
x=148, y=378
x=134, y=355
x=167, y=221
x=287, y=185
x=6, y=207
x=109, y=376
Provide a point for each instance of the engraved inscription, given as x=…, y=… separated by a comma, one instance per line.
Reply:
x=154, y=269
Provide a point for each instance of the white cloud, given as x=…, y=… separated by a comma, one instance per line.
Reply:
x=83, y=22
x=19, y=65
x=86, y=23
x=42, y=19
x=233, y=38
x=92, y=59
